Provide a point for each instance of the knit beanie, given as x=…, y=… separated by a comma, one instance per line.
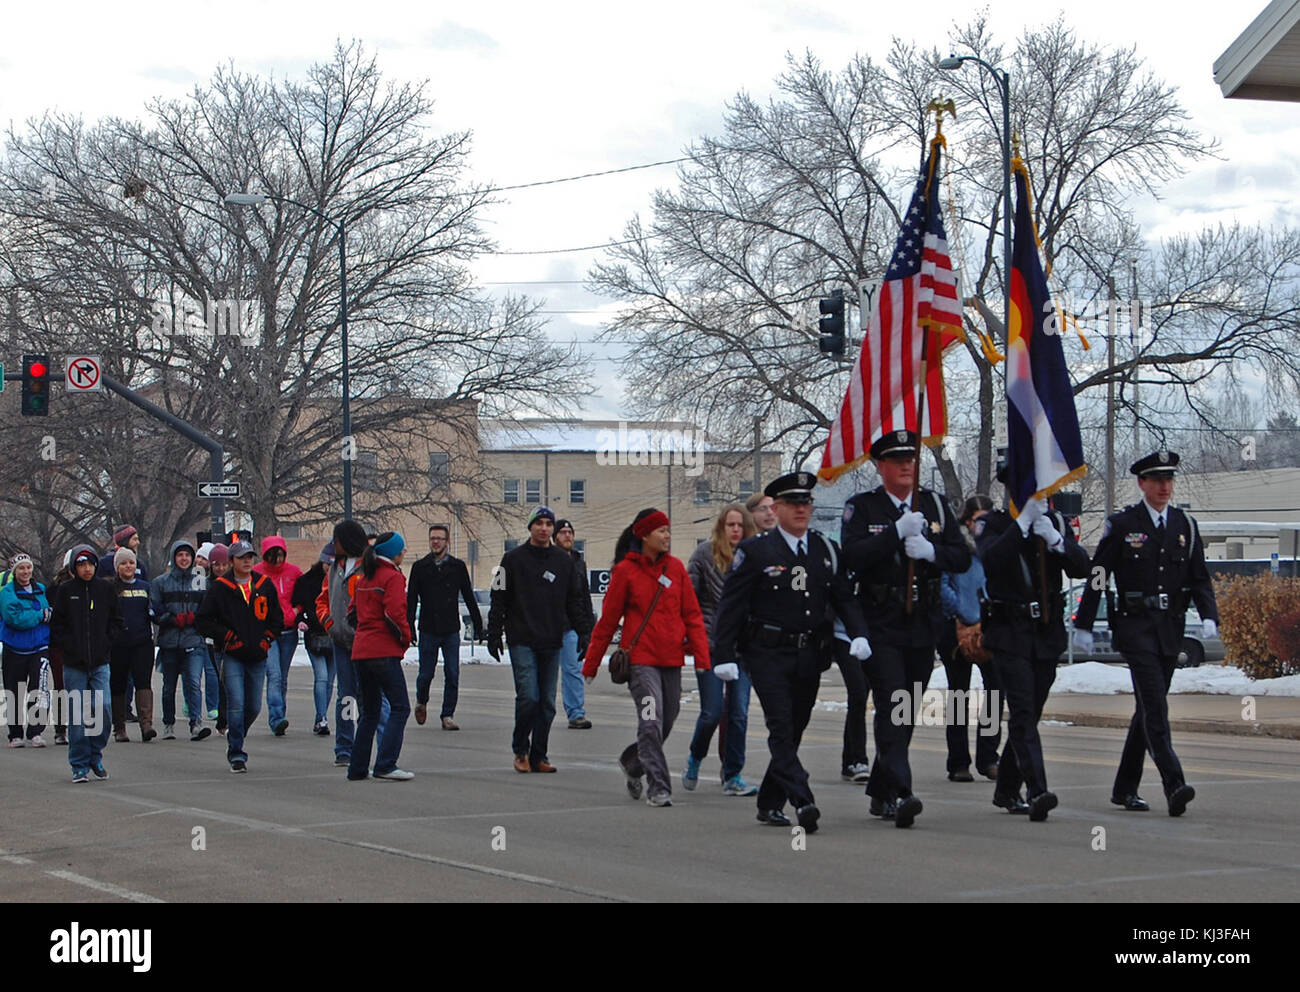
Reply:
x=205, y=550
x=219, y=553
x=123, y=534
x=539, y=513
x=121, y=555
x=390, y=545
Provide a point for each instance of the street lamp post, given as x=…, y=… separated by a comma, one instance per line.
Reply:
x=256, y=199
x=1003, y=79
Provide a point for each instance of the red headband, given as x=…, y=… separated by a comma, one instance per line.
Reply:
x=646, y=525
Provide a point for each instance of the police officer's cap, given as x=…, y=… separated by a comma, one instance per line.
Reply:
x=894, y=443
x=796, y=487
x=1158, y=463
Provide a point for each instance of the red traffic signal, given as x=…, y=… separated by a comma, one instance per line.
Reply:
x=36, y=385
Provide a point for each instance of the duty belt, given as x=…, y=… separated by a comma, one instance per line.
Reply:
x=881, y=593
x=1135, y=603
x=769, y=635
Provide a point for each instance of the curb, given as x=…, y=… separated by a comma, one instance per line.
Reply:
x=1239, y=728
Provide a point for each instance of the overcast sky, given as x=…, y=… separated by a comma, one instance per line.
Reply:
x=563, y=88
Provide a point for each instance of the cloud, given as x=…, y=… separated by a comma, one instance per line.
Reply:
x=450, y=36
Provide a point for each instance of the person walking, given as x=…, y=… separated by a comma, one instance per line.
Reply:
x=25, y=621
x=382, y=637
x=439, y=582
x=573, y=690
x=174, y=597
x=1155, y=554
x=84, y=618
x=536, y=597
x=211, y=681
x=131, y=656
x=650, y=593
x=241, y=613
x=778, y=601
x=319, y=647
x=283, y=575
x=707, y=568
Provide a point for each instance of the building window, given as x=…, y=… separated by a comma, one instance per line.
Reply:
x=439, y=469
x=366, y=470
x=533, y=491
x=291, y=532
x=511, y=545
x=702, y=491
x=746, y=491
x=512, y=491
x=577, y=490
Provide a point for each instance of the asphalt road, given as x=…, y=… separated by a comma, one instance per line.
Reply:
x=172, y=824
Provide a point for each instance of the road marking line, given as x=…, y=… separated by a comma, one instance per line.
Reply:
x=76, y=879
x=1121, y=880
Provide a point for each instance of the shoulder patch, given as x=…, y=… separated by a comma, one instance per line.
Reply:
x=737, y=557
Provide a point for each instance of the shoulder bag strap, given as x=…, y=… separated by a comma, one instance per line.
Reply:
x=646, y=619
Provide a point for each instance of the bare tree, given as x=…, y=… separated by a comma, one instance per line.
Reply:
x=117, y=241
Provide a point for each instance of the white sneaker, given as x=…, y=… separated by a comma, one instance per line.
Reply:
x=856, y=773
x=169, y=734
x=397, y=775
x=36, y=741
x=659, y=799
x=16, y=742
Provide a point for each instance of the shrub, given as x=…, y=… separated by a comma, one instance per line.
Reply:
x=1253, y=610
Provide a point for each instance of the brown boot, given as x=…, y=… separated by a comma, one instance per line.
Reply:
x=144, y=710
x=118, y=702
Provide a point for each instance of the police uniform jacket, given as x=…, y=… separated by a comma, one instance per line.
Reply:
x=1011, y=568
x=767, y=585
x=1145, y=569
x=874, y=553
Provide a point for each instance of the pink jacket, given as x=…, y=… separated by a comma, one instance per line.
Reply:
x=282, y=577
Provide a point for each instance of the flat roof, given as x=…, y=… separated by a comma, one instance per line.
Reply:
x=1264, y=62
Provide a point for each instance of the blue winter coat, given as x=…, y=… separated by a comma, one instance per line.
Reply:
x=24, y=630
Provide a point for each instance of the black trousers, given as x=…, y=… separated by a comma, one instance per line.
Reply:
x=858, y=686
x=786, y=683
x=19, y=666
x=130, y=662
x=895, y=674
x=957, y=713
x=1026, y=682
x=1149, y=728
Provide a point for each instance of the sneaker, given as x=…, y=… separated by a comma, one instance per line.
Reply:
x=80, y=775
x=421, y=713
x=342, y=760
x=691, y=777
x=449, y=724
x=200, y=733
x=169, y=734
x=580, y=723
x=16, y=742
x=660, y=799
x=212, y=713
x=60, y=739
x=859, y=772
x=280, y=728
x=737, y=786
x=321, y=729
x=238, y=767
x=100, y=772
x=396, y=775
x=36, y=740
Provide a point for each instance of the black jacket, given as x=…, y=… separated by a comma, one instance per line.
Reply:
x=133, y=604
x=1012, y=578
x=435, y=586
x=84, y=621
x=587, y=609
x=874, y=553
x=536, y=597
x=243, y=630
x=305, y=590
x=1143, y=567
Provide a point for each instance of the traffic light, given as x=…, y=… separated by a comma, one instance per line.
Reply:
x=832, y=325
x=36, y=385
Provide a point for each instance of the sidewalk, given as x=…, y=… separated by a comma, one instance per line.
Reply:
x=1274, y=716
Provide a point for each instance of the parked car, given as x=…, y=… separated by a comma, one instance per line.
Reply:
x=1196, y=649
x=484, y=599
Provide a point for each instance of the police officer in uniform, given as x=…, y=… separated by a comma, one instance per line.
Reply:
x=882, y=532
x=1155, y=554
x=1025, y=632
x=782, y=587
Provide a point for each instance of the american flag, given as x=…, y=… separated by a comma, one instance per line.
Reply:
x=918, y=299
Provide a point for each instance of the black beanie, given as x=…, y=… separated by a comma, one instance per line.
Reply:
x=351, y=536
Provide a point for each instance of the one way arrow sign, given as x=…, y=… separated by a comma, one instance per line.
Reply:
x=211, y=490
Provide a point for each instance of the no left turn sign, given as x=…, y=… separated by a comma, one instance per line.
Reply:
x=83, y=374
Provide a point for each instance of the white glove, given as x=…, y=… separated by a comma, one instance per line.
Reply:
x=1083, y=641
x=1209, y=629
x=860, y=649
x=910, y=524
x=728, y=672
x=918, y=547
x=1044, y=528
x=1030, y=512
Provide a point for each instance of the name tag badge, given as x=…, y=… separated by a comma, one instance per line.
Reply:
x=874, y=529
x=1136, y=539
x=665, y=581
x=549, y=576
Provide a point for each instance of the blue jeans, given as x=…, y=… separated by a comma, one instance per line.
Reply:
x=186, y=662
x=572, y=688
x=536, y=671
x=348, y=703
x=243, y=682
x=278, y=660
x=711, y=696
x=85, y=742
x=379, y=679
x=211, y=687
x=430, y=645
x=322, y=687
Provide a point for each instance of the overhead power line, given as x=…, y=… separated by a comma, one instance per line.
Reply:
x=588, y=175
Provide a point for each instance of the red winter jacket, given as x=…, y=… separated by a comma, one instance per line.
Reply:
x=382, y=630
x=675, y=624
x=284, y=576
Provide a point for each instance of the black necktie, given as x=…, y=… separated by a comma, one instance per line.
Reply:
x=801, y=554
x=902, y=508
x=1160, y=529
